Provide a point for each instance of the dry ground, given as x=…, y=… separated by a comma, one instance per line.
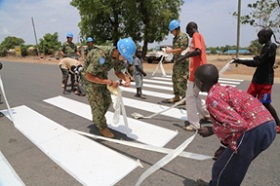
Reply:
x=240, y=72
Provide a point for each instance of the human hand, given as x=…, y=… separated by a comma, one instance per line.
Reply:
x=219, y=152
x=167, y=50
x=206, y=131
x=144, y=74
x=236, y=61
x=115, y=84
x=126, y=83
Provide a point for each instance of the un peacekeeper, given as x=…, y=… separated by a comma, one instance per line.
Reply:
x=69, y=49
x=180, y=69
x=97, y=65
x=90, y=46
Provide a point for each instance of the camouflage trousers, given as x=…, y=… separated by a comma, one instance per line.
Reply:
x=99, y=98
x=180, y=77
x=65, y=75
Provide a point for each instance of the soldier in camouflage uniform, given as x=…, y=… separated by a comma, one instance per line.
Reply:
x=96, y=67
x=89, y=47
x=69, y=49
x=180, y=69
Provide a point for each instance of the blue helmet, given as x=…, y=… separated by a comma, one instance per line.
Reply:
x=127, y=48
x=69, y=34
x=89, y=39
x=174, y=24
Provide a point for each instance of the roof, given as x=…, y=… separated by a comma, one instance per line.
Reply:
x=242, y=51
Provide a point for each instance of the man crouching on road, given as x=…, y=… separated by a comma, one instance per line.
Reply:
x=97, y=65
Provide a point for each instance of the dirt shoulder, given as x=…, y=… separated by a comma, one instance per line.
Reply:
x=239, y=72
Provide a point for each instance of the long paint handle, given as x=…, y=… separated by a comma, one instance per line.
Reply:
x=5, y=99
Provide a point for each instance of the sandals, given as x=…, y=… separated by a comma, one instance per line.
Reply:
x=278, y=129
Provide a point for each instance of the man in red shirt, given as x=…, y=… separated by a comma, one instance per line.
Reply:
x=239, y=120
x=197, y=57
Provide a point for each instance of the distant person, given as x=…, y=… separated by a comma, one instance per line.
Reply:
x=138, y=73
x=197, y=57
x=263, y=79
x=239, y=120
x=180, y=70
x=69, y=49
x=66, y=66
x=90, y=45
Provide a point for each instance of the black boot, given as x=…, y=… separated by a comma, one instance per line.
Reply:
x=141, y=95
x=137, y=92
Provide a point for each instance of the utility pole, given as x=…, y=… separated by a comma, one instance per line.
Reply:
x=238, y=29
x=35, y=36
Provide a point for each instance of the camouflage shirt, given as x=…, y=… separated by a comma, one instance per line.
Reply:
x=88, y=49
x=180, y=41
x=69, y=49
x=99, y=62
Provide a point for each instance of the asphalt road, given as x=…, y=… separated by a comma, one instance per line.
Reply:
x=30, y=83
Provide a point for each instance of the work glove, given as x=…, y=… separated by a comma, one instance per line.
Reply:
x=206, y=131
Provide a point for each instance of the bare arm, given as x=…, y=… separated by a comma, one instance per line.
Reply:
x=196, y=52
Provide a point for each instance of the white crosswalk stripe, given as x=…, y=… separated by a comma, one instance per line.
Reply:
x=62, y=145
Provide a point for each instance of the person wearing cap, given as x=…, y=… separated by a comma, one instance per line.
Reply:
x=96, y=67
x=180, y=69
x=90, y=45
x=69, y=49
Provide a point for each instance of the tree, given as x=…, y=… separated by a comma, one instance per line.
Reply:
x=49, y=43
x=10, y=42
x=255, y=47
x=155, y=17
x=265, y=13
x=143, y=20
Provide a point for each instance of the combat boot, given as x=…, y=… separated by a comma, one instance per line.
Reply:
x=137, y=92
x=141, y=95
x=106, y=132
x=175, y=99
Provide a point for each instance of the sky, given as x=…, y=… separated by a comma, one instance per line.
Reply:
x=214, y=19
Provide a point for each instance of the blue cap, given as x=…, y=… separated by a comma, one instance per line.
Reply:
x=69, y=34
x=127, y=48
x=89, y=39
x=173, y=25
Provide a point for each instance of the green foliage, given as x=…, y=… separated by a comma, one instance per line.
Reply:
x=143, y=20
x=265, y=13
x=49, y=43
x=255, y=47
x=9, y=43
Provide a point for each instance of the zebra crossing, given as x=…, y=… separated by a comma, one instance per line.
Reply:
x=63, y=146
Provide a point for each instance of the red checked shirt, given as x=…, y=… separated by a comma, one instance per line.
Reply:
x=234, y=112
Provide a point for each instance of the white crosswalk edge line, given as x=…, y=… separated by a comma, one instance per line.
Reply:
x=8, y=176
x=139, y=130
x=86, y=160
